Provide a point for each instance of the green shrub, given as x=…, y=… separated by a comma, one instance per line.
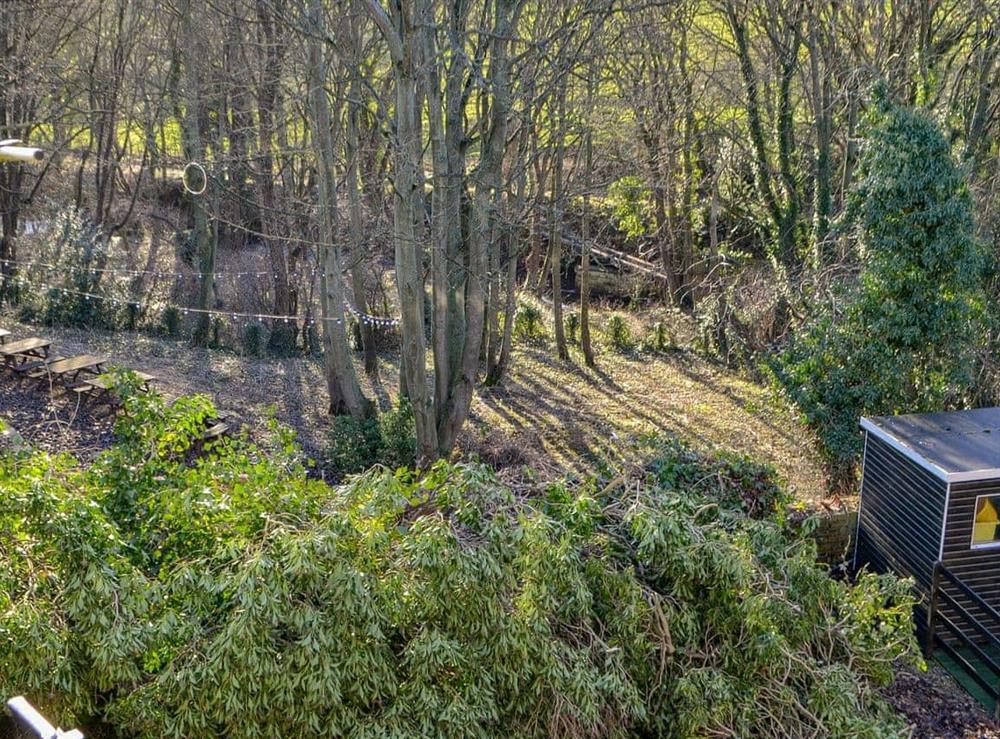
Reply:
x=906, y=337
x=216, y=330
x=236, y=597
x=618, y=335
x=572, y=323
x=352, y=445
x=390, y=439
x=170, y=322
x=528, y=326
x=313, y=342
x=630, y=200
x=734, y=481
x=80, y=292
x=659, y=339
x=398, y=436
x=253, y=338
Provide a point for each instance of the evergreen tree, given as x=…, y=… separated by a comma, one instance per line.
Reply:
x=904, y=338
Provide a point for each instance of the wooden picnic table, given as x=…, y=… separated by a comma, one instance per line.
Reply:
x=104, y=382
x=69, y=370
x=20, y=352
x=100, y=388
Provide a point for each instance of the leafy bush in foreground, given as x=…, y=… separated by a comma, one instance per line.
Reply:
x=235, y=597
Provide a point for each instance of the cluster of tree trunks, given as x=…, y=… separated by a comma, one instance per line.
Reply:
x=456, y=146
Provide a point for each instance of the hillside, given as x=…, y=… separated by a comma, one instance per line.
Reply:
x=553, y=416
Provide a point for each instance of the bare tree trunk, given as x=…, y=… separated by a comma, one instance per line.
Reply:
x=664, y=234
x=555, y=234
x=986, y=80
x=510, y=307
x=408, y=206
x=357, y=252
x=443, y=213
x=783, y=214
x=823, y=125
x=459, y=256
x=496, y=372
x=538, y=258
x=10, y=206
x=494, y=297
x=269, y=20
x=239, y=124
x=486, y=203
x=342, y=382
x=195, y=151
x=585, y=340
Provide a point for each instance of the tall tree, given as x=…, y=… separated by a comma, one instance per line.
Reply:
x=346, y=396
x=190, y=106
x=435, y=73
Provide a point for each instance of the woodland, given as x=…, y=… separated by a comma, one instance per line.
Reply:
x=580, y=303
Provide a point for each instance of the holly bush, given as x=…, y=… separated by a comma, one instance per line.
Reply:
x=228, y=594
x=905, y=337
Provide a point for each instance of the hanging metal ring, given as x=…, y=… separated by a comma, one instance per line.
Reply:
x=186, y=175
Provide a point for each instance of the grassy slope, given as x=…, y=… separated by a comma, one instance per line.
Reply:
x=558, y=417
x=578, y=416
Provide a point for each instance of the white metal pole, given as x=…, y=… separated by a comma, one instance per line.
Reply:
x=35, y=721
x=11, y=150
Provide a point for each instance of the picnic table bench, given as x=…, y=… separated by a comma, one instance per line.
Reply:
x=19, y=353
x=216, y=429
x=4, y=334
x=68, y=370
x=101, y=388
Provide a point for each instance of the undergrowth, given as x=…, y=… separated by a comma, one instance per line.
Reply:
x=229, y=595
x=354, y=445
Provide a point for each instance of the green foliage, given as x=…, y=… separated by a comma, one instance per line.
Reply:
x=352, y=445
x=390, y=439
x=185, y=246
x=618, y=335
x=528, y=325
x=235, y=597
x=215, y=333
x=170, y=322
x=630, y=202
x=734, y=481
x=658, y=339
x=572, y=324
x=906, y=337
x=398, y=436
x=81, y=292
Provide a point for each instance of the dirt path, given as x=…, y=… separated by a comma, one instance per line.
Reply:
x=937, y=708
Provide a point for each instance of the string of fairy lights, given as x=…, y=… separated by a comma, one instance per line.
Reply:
x=18, y=271
x=20, y=279
x=310, y=272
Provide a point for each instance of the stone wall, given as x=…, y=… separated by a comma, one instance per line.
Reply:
x=834, y=533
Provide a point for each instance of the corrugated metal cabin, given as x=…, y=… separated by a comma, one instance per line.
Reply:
x=930, y=492
x=930, y=510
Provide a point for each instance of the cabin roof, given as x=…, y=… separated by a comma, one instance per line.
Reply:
x=956, y=446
